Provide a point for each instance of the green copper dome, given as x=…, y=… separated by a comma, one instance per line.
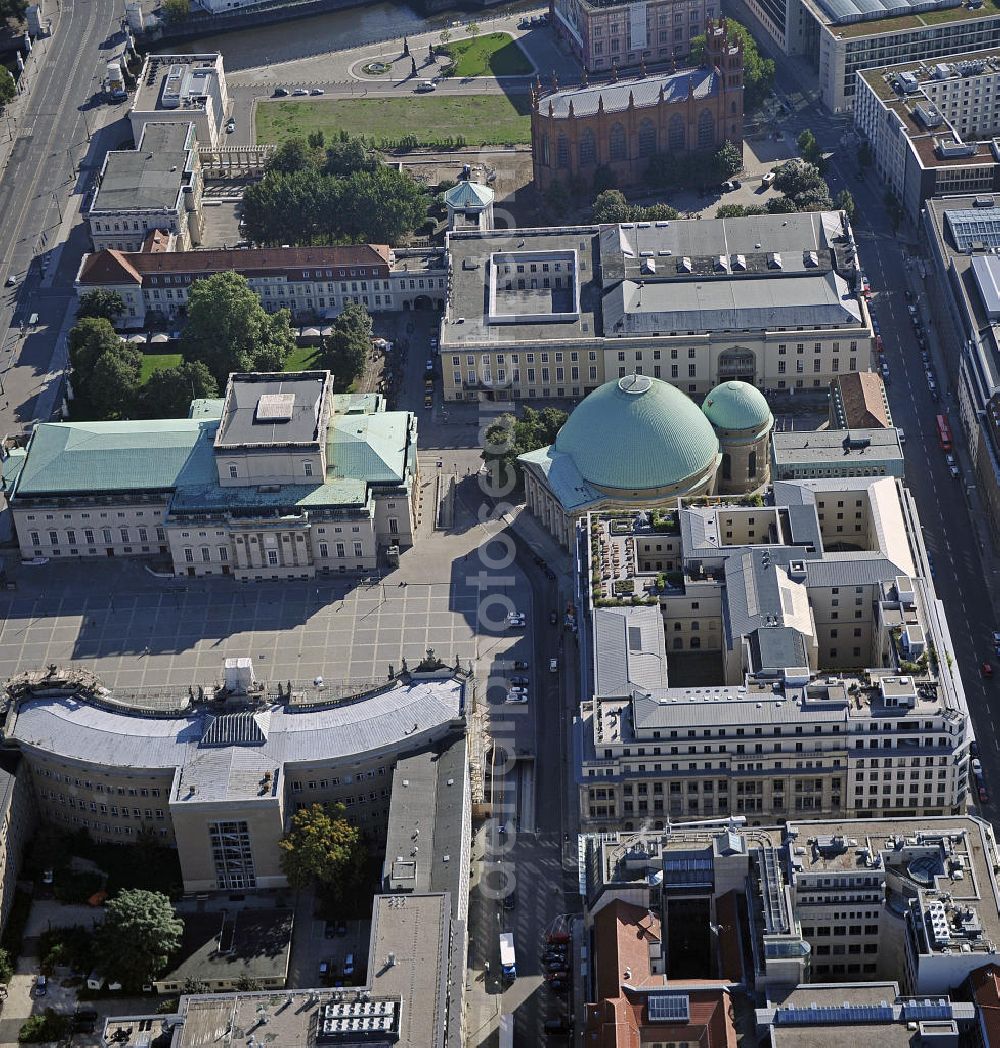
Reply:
x=737, y=405
x=638, y=433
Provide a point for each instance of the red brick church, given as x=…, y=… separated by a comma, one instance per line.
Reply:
x=624, y=123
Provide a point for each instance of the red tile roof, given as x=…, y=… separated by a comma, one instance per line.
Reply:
x=623, y=934
x=109, y=267
x=986, y=991
x=99, y=270
x=862, y=397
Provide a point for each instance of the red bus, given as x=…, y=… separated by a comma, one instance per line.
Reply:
x=944, y=433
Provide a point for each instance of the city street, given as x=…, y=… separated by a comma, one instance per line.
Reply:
x=955, y=530
x=39, y=194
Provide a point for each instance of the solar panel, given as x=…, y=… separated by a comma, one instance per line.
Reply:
x=275, y=407
x=668, y=1007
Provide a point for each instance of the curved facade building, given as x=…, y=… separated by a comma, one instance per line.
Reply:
x=634, y=442
x=743, y=422
x=218, y=776
x=622, y=125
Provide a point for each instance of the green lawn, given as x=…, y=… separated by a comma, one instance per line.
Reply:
x=494, y=54
x=157, y=358
x=304, y=358
x=434, y=120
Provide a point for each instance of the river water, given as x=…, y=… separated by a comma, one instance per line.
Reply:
x=302, y=37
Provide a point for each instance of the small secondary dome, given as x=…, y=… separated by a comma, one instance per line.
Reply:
x=638, y=433
x=737, y=406
x=468, y=195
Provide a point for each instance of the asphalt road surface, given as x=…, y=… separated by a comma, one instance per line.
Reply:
x=50, y=138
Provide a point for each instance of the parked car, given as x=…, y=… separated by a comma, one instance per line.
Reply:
x=230, y=126
x=299, y=91
x=433, y=343
x=41, y=986
x=912, y=310
x=558, y=985
x=329, y=930
x=901, y=435
x=524, y=23
x=996, y=642
x=952, y=465
x=518, y=678
x=520, y=664
x=977, y=768
x=317, y=91
x=515, y=620
x=516, y=698
x=11, y=280
x=429, y=364
x=280, y=92
x=341, y=928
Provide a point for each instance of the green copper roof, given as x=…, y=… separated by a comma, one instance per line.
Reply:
x=73, y=457
x=737, y=405
x=638, y=432
x=468, y=194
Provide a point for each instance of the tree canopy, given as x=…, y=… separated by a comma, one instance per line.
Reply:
x=346, y=348
x=105, y=370
x=322, y=848
x=803, y=187
x=340, y=194
x=511, y=436
x=8, y=88
x=168, y=393
x=139, y=933
x=611, y=206
x=229, y=330
x=101, y=303
x=758, y=72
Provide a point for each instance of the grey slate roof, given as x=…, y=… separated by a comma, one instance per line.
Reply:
x=738, y=304
x=642, y=92
x=75, y=729
x=630, y=651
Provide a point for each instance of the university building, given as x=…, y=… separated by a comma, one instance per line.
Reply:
x=280, y=479
x=622, y=125
x=773, y=300
x=311, y=282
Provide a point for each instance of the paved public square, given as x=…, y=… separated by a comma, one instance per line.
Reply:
x=135, y=630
